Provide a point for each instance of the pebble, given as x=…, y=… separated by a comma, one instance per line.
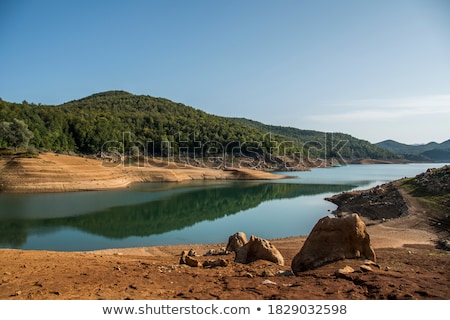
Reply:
x=17, y=293
x=286, y=273
x=365, y=268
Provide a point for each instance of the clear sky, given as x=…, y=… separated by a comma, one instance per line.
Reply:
x=374, y=69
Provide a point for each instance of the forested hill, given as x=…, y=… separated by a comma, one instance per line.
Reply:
x=352, y=148
x=118, y=119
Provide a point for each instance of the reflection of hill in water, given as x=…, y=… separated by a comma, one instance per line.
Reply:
x=171, y=213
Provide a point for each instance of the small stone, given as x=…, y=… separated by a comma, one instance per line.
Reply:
x=268, y=273
x=183, y=256
x=215, y=252
x=286, y=273
x=371, y=263
x=17, y=293
x=215, y=263
x=268, y=282
x=365, y=268
x=192, y=262
x=344, y=272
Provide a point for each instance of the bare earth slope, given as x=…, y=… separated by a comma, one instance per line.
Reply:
x=58, y=173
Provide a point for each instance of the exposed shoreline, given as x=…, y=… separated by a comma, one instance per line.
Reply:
x=409, y=268
x=51, y=172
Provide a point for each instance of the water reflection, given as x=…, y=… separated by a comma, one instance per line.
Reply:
x=169, y=211
x=179, y=213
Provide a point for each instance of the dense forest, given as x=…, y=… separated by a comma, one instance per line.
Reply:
x=122, y=122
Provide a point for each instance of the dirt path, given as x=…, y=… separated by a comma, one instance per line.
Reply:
x=414, y=228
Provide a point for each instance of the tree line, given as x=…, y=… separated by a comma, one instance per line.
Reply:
x=117, y=120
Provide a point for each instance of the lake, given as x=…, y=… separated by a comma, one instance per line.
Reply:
x=184, y=213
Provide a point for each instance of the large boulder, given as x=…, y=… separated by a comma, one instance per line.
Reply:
x=259, y=249
x=236, y=240
x=255, y=249
x=334, y=239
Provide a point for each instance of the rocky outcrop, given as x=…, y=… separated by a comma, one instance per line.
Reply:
x=435, y=180
x=381, y=202
x=334, y=239
x=255, y=249
x=386, y=201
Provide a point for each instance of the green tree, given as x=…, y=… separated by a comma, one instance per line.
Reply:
x=16, y=133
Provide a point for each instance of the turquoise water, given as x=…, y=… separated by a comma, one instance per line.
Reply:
x=183, y=213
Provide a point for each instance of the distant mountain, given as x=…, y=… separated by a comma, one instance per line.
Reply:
x=118, y=120
x=432, y=151
x=348, y=146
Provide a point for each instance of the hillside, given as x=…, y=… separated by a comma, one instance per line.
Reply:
x=120, y=122
x=432, y=151
x=323, y=144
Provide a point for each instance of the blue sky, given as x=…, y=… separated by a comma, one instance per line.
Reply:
x=374, y=69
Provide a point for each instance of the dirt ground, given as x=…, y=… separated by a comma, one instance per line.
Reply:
x=408, y=267
x=408, y=264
